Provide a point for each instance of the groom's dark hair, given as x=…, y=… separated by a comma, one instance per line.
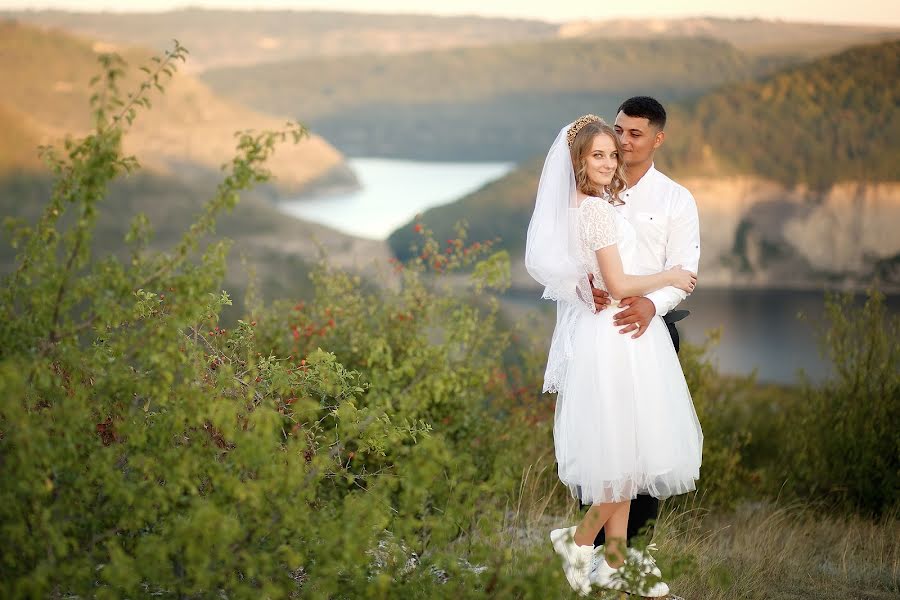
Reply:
x=645, y=107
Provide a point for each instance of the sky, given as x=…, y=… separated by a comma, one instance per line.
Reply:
x=877, y=12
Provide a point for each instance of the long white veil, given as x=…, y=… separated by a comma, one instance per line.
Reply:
x=551, y=255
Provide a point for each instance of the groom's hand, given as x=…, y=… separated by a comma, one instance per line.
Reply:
x=601, y=297
x=638, y=311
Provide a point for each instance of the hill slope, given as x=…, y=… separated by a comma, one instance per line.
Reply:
x=18, y=148
x=279, y=249
x=500, y=102
x=756, y=36
x=221, y=38
x=187, y=132
x=46, y=76
x=795, y=177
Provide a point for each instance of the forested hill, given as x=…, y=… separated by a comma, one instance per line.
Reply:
x=835, y=119
x=499, y=102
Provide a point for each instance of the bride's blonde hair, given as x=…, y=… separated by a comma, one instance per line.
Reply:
x=585, y=130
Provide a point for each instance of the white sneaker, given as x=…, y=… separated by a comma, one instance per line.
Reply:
x=645, y=559
x=576, y=559
x=642, y=588
x=605, y=576
x=648, y=565
x=601, y=572
x=617, y=582
x=660, y=589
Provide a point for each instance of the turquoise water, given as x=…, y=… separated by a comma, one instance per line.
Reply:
x=392, y=193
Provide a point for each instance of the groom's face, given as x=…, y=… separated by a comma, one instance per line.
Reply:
x=639, y=138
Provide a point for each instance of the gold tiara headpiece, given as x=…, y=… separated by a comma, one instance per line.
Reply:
x=577, y=125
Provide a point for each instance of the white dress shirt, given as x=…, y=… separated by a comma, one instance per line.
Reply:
x=664, y=215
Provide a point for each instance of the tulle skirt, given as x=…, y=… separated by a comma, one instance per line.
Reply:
x=624, y=421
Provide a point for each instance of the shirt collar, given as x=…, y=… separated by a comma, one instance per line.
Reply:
x=649, y=174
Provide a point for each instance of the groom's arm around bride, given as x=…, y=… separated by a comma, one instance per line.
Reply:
x=663, y=213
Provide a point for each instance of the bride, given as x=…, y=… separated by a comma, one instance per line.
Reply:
x=624, y=422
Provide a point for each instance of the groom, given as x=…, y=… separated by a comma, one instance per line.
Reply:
x=668, y=233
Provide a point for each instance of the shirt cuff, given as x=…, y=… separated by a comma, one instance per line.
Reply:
x=665, y=299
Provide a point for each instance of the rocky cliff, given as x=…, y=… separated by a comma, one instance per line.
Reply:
x=757, y=232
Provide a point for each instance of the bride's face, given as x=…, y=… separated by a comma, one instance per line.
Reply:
x=601, y=160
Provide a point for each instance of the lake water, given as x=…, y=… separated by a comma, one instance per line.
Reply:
x=760, y=328
x=392, y=193
x=774, y=331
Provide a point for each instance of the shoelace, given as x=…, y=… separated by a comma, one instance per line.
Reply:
x=643, y=559
x=648, y=549
x=647, y=554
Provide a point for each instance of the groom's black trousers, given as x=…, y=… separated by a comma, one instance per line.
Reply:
x=645, y=509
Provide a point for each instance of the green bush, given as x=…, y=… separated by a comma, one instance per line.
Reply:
x=832, y=443
x=377, y=441
x=718, y=400
x=842, y=436
x=146, y=450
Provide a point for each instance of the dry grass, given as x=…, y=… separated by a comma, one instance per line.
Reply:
x=761, y=550
x=766, y=550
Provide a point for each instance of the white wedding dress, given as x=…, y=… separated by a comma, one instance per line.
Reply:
x=624, y=421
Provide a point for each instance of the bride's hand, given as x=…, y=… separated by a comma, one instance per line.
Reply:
x=682, y=278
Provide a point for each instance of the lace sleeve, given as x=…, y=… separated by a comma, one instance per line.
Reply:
x=598, y=224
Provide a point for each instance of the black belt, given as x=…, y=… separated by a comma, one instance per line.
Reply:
x=675, y=316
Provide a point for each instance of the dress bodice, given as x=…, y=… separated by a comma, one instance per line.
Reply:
x=599, y=225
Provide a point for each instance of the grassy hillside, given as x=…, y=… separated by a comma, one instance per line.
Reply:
x=18, y=145
x=830, y=121
x=220, y=38
x=756, y=36
x=501, y=102
x=46, y=78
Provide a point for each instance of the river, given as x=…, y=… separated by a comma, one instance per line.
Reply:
x=392, y=192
